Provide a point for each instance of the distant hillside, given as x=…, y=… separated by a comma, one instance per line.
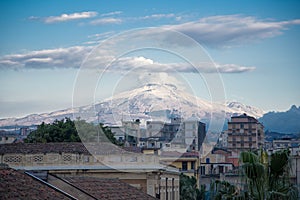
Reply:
x=270, y=136
x=283, y=122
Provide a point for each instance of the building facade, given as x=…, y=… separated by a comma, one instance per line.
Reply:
x=244, y=133
x=179, y=133
x=68, y=159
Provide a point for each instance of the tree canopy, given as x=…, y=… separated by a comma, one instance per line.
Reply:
x=266, y=177
x=66, y=130
x=188, y=188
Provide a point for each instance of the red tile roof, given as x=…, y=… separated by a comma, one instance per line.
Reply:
x=35, y=148
x=18, y=185
x=109, y=189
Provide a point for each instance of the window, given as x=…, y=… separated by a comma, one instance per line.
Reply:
x=202, y=170
x=193, y=165
x=221, y=169
x=226, y=169
x=207, y=160
x=242, y=126
x=184, y=166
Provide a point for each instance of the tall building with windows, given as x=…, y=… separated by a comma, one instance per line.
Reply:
x=245, y=132
x=181, y=133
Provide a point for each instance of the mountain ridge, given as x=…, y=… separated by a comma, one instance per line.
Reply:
x=148, y=102
x=283, y=122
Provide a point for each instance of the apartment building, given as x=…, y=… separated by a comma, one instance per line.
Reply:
x=245, y=132
x=188, y=133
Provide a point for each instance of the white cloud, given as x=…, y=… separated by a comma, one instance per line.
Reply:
x=233, y=68
x=146, y=64
x=111, y=13
x=72, y=57
x=227, y=30
x=102, y=35
x=104, y=21
x=50, y=58
x=66, y=17
x=96, y=39
x=158, y=16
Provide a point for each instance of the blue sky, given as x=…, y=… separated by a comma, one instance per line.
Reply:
x=255, y=45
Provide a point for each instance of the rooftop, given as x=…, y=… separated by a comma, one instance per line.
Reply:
x=35, y=148
x=18, y=185
x=110, y=189
x=65, y=147
x=244, y=116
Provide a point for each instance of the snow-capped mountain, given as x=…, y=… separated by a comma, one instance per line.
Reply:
x=238, y=108
x=149, y=102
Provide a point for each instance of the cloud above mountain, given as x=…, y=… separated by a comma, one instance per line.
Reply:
x=229, y=30
x=146, y=64
x=216, y=31
x=49, y=58
x=72, y=57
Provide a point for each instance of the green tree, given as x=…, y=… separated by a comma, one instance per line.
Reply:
x=188, y=188
x=202, y=192
x=59, y=131
x=66, y=130
x=223, y=190
x=267, y=177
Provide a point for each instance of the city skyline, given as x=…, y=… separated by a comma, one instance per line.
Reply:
x=43, y=44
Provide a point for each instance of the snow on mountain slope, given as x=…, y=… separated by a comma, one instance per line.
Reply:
x=149, y=102
x=241, y=108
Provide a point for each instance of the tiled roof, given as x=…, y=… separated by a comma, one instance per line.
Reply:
x=66, y=147
x=217, y=149
x=35, y=148
x=18, y=185
x=109, y=189
x=245, y=116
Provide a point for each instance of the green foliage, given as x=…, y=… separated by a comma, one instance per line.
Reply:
x=223, y=190
x=66, y=130
x=188, y=188
x=201, y=194
x=59, y=131
x=267, y=177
